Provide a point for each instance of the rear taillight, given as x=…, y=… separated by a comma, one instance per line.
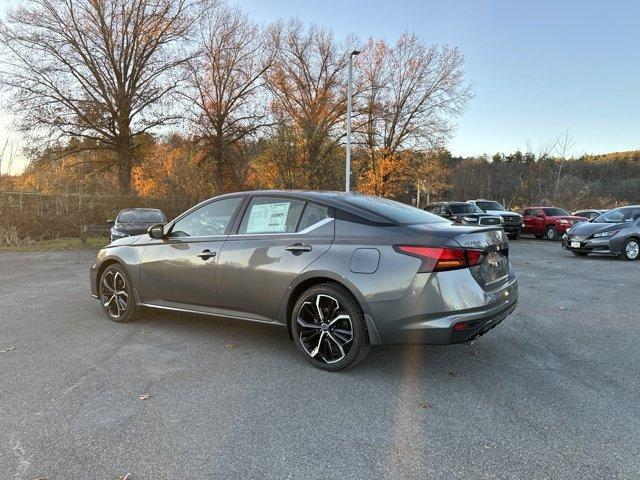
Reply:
x=437, y=259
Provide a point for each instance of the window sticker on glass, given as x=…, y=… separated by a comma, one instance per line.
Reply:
x=268, y=218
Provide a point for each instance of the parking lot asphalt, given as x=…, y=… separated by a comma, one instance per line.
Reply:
x=552, y=392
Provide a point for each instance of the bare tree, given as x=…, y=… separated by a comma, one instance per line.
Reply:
x=307, y=82
x=226, y=82
x=408, y=94
x=95, y=70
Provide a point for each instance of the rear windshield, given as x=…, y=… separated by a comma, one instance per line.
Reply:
x=141, y=216
x=464, y=208
x=395, y=211
x=555, y=212
x=490, y=205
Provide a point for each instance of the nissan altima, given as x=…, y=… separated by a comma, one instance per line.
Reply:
x=340, y=271
x=616, y=232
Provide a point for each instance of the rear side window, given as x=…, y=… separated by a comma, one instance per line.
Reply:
x=271, y=215
x=394, y=211
x=313, y=213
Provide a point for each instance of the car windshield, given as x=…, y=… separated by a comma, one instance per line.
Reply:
x=141, y=216
x=464, y=208
x=394, y=211
x=555, y=212
x=490, y=205
x=619, y=215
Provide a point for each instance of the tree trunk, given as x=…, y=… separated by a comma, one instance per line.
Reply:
x=125, y=164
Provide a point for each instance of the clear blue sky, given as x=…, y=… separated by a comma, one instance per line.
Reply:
x=540, y=68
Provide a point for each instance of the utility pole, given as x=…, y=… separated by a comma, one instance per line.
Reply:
x=347, y=179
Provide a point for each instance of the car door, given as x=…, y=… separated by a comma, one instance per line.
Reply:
x=276, y=239
x=179, y=271
x=539, y=221
x=528, y=220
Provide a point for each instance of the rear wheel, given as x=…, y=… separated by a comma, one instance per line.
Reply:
x=631, y=249
x=116, y=294
x=550, y=233
x=580, y=254
x=513, y=236
x=328, y=327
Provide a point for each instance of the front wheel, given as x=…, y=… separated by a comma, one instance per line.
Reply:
x=328, y=327
x=631, y=249
x=513, y=236
x=116, y=294
x=550, y=233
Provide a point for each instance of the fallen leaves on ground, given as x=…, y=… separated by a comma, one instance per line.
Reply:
x=144, y=396
x=231, y=346
x=124, y=477
x=453, y=374
x=562, y=307
x=7, y=350
x=424, y=405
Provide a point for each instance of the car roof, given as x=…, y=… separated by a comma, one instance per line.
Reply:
x=331, y=198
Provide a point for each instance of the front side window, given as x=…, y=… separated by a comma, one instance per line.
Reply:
x=209, y=220
x=271, y=215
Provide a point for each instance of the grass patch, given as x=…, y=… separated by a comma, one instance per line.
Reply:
x=65, y=243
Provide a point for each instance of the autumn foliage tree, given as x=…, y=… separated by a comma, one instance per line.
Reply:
x=308, y=88
x=407, y=94
x=225, y=95
x=95, y=69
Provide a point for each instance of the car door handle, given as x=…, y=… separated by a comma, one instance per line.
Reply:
x=298, y=248
x=207, y=254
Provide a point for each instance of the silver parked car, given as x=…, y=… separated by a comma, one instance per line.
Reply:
x=340, y=271
x=616, y=232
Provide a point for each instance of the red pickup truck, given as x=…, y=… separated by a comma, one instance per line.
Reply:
x=548, y=222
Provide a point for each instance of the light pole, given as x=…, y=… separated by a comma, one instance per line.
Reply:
x=347, y=179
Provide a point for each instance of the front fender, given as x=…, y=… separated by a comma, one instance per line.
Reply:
x=128, y=256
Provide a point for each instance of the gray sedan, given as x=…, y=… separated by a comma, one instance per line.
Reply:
x=339, y=271
x=616, y=232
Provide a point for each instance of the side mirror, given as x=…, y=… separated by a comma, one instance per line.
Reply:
x=156, y=231
x=111, y=223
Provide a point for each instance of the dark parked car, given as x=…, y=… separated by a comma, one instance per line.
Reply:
x=464, y=213
x=340, y=271
x=616, y=232
x=548, y=222
x=511, y=221
x=588, y=214
x=134, y=221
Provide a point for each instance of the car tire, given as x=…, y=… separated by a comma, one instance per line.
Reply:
x=550, y=233
x=328, y=327
x=116, y=294
x=580, y=254
x=513, y=236
x=631, y=249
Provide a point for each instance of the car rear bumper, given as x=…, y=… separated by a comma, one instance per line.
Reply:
x=444, y=308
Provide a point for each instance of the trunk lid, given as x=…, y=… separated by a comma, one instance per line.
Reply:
x=494, y=271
